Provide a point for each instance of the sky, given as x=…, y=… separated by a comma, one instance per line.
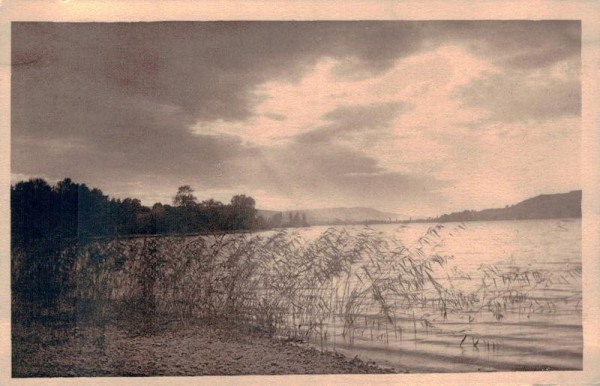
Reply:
x=416, y=118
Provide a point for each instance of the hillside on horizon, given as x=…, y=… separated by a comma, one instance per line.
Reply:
x=544, y=206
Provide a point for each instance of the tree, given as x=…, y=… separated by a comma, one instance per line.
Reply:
x=128, y=216
x=215, y=213
x=187, y=212
x=67, y=207
x=33, y=206
x=242, y=212
x=42, y=229
x=158, y=218
x=185, y=196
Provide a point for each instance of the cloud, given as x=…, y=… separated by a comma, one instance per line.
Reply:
x=343, y=113
x=275, y=117
x=133, y=91
x=346, y=120
x=208, y=69
x=331, y=174
x=361, y=117
x=513, y=44
x=516, y=96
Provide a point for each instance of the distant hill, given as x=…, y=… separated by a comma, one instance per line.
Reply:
x=338, y=215
x=562, y=205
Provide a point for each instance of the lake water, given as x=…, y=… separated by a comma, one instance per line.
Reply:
x=532, y=270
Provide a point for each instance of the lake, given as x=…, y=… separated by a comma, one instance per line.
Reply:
x=521, y=285
x=452, y=297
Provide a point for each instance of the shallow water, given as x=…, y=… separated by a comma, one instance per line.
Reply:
x=543, y=333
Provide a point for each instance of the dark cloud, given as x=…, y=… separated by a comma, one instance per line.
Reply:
x=208, y=69
x=525, y=51
x=214, y=160
x=346, y=120
x=515, y=97
x=517, y=44
x=112, y=104
x=131, y=91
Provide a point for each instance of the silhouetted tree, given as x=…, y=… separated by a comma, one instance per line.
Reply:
x=158, y=219
x=188, y=217
x=42, y=228
x=242, y=212
x=215, y=213
x=32, y=211
x=185, y=196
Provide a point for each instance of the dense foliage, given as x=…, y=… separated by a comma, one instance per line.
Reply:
x=50, y=224
x=73, y=211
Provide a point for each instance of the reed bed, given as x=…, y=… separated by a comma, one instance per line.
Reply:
x=365, y=284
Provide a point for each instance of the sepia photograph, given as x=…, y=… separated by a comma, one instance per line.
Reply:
x=279, y=197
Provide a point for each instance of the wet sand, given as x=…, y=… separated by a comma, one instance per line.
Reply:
x=200, y=349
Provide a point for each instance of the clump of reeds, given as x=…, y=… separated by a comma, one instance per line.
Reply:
x=282, y=284
x=279, y=282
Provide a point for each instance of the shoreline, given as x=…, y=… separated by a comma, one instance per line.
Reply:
x=198, y=349
x=194, y=350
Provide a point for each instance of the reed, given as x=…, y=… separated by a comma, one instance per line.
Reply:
x=283, y=285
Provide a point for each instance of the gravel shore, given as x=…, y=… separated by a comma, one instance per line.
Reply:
x=199, y=349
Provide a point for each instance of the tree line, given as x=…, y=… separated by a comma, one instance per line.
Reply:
x=69, y=210
x=50, y=224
